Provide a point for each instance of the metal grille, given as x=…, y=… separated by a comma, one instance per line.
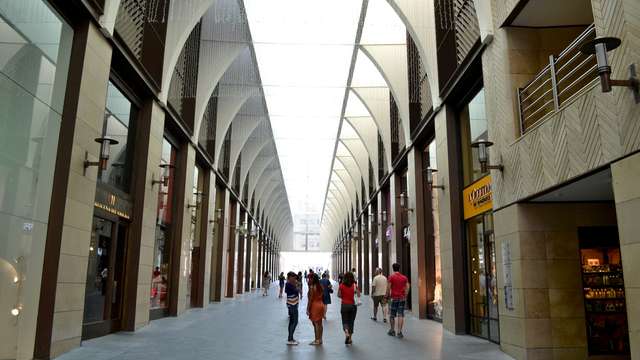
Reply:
x=130, y=24
x=226, y=147
x=245, y=189
x=381, y=169
x=395, y=128
x=363, y=190
x=184, y=80
x=207, y=136
x=371, y=179
x=466, y=26
x=558, y=82
x=236, y=174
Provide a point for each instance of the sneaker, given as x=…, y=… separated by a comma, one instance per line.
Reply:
x=400, y=336
x=374, y=319
x=391, y=333
x=384, y=320
x=292, y=342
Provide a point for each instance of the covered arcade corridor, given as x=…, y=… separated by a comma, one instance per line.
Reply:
x=161, y=161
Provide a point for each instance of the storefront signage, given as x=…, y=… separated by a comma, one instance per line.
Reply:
x=477, y=198
x=113, y=204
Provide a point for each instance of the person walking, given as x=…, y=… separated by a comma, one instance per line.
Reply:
x=397, y=290
x=378, y=294
x=293, y=298
x=327, y=290
x=281, y=280
x=347, y=293
x=315, y=307
x=266, y=283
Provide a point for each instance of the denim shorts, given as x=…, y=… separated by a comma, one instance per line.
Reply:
x=397, y=308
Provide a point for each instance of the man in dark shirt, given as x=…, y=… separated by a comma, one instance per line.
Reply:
x=293, y=297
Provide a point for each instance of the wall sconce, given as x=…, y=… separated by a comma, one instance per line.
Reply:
x=483, y=156
x=600, y=46
x=404, y=202
x=429, y=171
x=242, y=229
x=164, y=178
x=105, y=152
x=199, y=196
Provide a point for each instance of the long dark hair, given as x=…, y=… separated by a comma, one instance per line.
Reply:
x=314, y=281
x=348, y=279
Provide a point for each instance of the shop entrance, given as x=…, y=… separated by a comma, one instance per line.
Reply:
x=604, y=293
x=103, y=302
x=482, y=283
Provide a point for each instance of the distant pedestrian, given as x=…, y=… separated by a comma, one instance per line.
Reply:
x=315, y=307
x=378, y=294
x=300, y=286
x=309, y=276
x=281, y=280
x=397, y=290
x=293, y=298
x=266, y=283
x=347, y=292
x=340, y=277
x=327, y=290
x=355, y=274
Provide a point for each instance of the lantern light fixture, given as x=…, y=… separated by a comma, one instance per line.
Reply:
x=404, y=202
x=483, y=156
x=599, y=47
x=429, y=172
x=164, y=177
x=105, y=152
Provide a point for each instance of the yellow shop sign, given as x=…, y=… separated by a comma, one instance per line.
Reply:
x=477, y=197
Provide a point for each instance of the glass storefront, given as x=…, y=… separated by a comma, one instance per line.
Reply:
x=106, y=266
x=435, y=306
x=483, y=288
x=193, y=256
x=160, y=277
x=473, y=127
x=35, y=48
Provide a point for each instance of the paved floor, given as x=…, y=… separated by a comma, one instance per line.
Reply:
x=255, y=327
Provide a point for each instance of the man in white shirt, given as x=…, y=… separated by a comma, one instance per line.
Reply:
x=378, y=294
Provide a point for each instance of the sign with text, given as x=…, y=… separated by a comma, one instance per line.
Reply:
x=477, y=197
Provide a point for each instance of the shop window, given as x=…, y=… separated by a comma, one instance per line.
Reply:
x=160, y=282
x=35, y=49
x=473, y=127
x=120, y=115
x=482, y=280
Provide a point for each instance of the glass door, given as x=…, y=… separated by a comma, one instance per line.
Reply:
x=483, y=289
x=105, y=275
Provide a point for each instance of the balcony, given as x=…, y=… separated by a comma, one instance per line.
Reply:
x=561, y=80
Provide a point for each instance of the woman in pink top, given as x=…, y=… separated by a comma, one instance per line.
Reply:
x=347, y=292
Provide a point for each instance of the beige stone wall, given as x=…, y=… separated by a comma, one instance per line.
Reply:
x=547, y=320
x=626, y=181
x=149, y=216
x=76, y=233
x=588, y=132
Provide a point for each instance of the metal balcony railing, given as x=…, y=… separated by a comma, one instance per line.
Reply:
x=558, y=82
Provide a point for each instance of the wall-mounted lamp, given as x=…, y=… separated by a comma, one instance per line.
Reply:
x=242, y=229
x=429, y=172
x=164, y=177
x=199, y=196
x=600, y=46
x=105, y=152
x=483, y=156
x=383, y=216
x=404, y=202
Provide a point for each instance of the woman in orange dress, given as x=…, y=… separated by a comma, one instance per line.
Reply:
x=315, y=308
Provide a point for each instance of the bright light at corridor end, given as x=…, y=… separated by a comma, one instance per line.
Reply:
x=304, y=50
x=300, y=261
